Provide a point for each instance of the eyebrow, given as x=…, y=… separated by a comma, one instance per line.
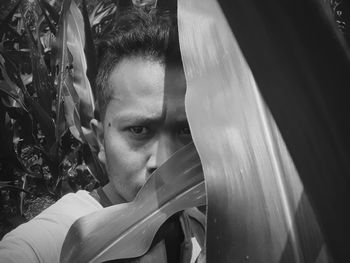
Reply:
x=139, y=118
x=135, y=118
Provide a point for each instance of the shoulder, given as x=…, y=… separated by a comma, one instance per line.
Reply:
x=72, y=205
x=42, y=237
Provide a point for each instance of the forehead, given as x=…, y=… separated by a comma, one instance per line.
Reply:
x=141, y=86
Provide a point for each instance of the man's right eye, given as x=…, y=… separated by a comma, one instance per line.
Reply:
x=139, y=130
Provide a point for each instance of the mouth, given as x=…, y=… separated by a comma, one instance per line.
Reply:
x=149, y=174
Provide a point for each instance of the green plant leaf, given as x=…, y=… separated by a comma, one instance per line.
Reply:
x=61, y=53
x=13, y=79
x=54, y=15
x=90, y=52
x=91, y=160
x=309, y=101
x=46, y=123
x=74, y=91
x=44, y=9
x=19, y=57
x=76, y=46
x=22, y=194
x=177, y=185
x=258, y=208
x=16, y=188
x=6, y=136
x=5, y=23
x=10, y=72
x=15, y=93
x=41, y=80
x=71, y=108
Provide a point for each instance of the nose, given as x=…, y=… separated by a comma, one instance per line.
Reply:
x=161, y=150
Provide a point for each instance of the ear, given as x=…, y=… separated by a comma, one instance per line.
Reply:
x=97, y=128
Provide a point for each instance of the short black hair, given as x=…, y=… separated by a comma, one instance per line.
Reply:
x=135, y=32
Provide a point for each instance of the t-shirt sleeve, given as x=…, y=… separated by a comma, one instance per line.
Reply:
x=16, y=250
x=40, y=240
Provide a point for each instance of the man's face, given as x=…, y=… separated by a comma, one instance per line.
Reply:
x=145, y=122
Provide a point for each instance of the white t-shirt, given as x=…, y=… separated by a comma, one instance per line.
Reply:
x=41, y=239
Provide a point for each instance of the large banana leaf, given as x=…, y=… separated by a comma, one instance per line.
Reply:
x=127, y=230
x=302, y=67
x=261, y=208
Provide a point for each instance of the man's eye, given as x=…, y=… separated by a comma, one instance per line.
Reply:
x=185, y=131
x=139, y=130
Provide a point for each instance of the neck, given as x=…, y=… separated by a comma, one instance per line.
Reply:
x=112, y=194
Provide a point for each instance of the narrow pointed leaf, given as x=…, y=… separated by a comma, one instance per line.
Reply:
x=76, y=46
x=177, y=185
x=41, y=81
x=90, y=52
x=71, y=108
x=61, y=53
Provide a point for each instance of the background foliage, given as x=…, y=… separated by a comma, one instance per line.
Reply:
x=47, y=69
x=46, y=103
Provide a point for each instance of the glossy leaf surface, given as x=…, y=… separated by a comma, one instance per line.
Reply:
x=61, y=52
x=76, y=46
x=178, y=184
x=258, y=209
x=302, y=66
x=89, y=49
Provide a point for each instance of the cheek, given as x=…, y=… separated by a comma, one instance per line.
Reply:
x=121, y=159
